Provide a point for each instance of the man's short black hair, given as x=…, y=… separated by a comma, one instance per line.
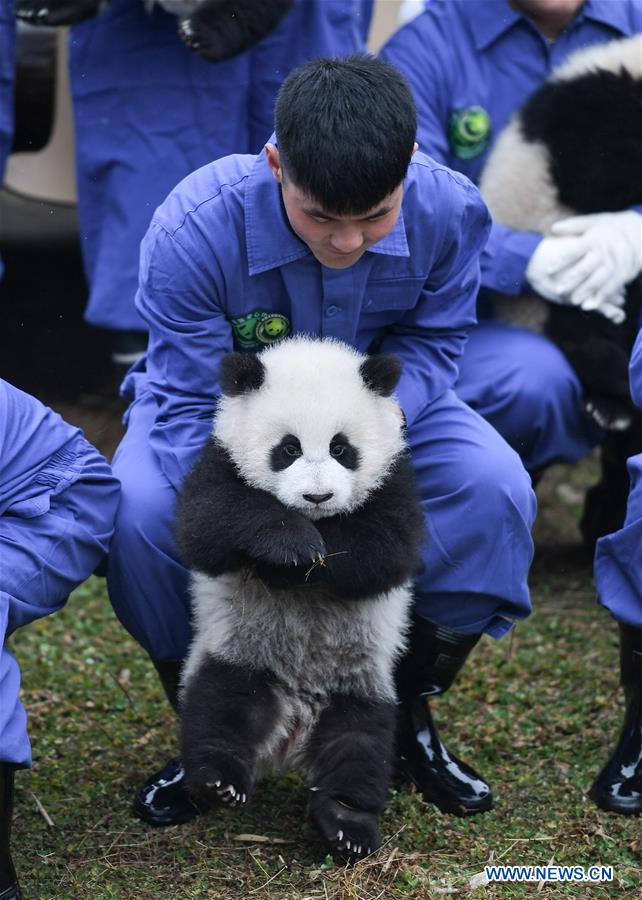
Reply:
x=345, y=130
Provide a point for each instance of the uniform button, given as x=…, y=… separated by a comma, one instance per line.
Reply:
x=504, y=281
x=332, y=310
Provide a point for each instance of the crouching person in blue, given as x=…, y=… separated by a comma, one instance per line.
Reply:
x=58, y=502
x=618, y=577
x=338, y=229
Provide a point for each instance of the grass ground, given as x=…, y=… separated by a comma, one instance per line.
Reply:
x=537, y=712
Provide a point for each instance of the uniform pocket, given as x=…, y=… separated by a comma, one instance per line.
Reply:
x=403, y=293
x=60, y=471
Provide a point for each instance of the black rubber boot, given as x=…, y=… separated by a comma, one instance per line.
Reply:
x=434, y=657
x=618, y=787
x=163, y=799
x=169, y=672
x=9, y=889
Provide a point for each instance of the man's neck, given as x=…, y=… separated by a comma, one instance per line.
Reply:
x=551, y=22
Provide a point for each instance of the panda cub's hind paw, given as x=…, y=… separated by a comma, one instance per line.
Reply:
x=353, y=832
x=220, y=777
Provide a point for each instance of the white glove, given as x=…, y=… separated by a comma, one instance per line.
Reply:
x=609, y=247
x=548, y=265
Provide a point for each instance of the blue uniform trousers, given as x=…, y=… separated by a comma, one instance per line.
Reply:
x=618, y=558
x=479, y=510
x=49, y=543
x=526, y=388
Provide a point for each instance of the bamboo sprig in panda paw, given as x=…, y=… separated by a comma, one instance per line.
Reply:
x=302, y=527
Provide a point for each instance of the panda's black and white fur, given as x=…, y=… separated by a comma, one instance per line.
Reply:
x=303, y=528
x=575, y=148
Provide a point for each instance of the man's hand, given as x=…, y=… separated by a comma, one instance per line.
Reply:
x=588, y=261
x=610, y=246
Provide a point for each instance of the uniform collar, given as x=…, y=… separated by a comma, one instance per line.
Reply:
x=491, y=19
x=270, y=241
x=607, y=12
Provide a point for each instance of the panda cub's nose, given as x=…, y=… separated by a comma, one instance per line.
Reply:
x=317, y=498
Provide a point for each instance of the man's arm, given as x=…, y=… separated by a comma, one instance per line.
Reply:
x=431, y=336
x=188, y=335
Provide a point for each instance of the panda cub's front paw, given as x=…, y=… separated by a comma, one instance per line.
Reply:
x=292, y=540
x=219, y=775
x=196, y=33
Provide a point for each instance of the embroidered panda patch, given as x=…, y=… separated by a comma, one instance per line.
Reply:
x=259, y=328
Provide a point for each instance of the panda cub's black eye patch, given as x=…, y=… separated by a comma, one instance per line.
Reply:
x=344, y=452
x=285, y=453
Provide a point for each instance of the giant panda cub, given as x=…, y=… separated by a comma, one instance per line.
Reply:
x=575, y=148
x=302, y=527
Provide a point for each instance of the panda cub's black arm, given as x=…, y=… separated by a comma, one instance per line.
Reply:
x=223, y=523
x=378, y=546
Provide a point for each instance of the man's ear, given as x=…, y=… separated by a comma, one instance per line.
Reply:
x=415, y=147
x=274, y=162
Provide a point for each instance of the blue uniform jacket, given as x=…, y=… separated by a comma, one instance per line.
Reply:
x=477, y=61
x=221, y=268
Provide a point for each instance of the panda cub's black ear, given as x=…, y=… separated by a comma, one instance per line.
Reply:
x=240, y=373
x=381, y=373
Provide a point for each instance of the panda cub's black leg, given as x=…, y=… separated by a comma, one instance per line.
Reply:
x=350, y=763
x=227, y=712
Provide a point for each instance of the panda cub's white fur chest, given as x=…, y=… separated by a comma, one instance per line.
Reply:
x=312, y=642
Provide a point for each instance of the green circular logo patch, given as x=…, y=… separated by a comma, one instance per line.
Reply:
x=469, y=131
x=259, y=328
x=272, y=328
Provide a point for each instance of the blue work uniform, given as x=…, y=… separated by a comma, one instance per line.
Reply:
x=618, y=556
x=148, y=111
x=58, y=500
x=477, y=62
x=221, y=269
x=7, y=67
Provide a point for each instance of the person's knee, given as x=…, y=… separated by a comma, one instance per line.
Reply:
x=145, y=515
x=498, y=481
x=539, y=385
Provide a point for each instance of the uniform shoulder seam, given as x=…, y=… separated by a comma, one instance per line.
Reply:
x=190, y=212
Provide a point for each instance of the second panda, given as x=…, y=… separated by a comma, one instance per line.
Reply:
x=303, y=528
x=575, y=148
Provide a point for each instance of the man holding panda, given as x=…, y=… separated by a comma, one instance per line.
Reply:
x=339, y=228
x=471, y=66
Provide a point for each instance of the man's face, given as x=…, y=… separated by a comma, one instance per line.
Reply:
x=339, y=241
x=336, y=241
x=546, y=8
